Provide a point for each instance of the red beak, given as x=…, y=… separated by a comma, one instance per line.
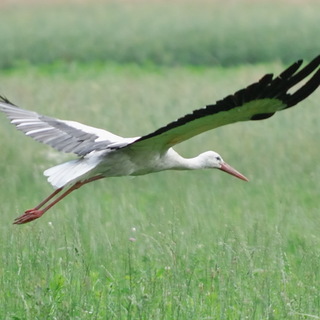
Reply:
x=227, y=168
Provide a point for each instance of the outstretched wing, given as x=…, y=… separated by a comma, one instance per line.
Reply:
x=258, y=101
x=63, y=135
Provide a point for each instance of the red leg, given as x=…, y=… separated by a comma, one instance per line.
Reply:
x=41, y=204
x=36, y=213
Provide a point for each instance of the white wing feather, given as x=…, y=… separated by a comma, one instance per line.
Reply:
x=63, y=135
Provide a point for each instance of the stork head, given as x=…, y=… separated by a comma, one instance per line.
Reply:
x=214, y=160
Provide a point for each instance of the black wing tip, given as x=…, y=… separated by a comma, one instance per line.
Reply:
x=270, y=87
x=306, y=90
x=315, y=61
x=279, y=86
x=291, y=70
x=309, y=87
x=5, y=100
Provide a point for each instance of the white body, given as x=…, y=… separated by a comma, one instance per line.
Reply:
x=120, y=162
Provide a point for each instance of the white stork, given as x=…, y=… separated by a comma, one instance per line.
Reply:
x=104, y=154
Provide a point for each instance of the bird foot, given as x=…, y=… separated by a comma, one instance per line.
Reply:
x=28, y=216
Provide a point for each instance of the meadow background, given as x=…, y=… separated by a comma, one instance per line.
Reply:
x=173, y=245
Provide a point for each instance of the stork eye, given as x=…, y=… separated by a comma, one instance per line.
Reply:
x=218, y=158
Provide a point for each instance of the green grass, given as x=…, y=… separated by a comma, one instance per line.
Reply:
x=156, y=32
x=208, y=246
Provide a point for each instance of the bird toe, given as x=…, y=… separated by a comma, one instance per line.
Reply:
x=28, y=216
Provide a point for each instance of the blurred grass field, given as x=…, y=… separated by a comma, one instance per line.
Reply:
x=159, y=32
x=173, y=245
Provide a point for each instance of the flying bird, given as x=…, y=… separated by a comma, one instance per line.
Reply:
x=103, y=154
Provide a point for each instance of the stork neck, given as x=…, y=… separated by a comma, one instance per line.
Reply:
x=177, y=162
x=192, y=163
